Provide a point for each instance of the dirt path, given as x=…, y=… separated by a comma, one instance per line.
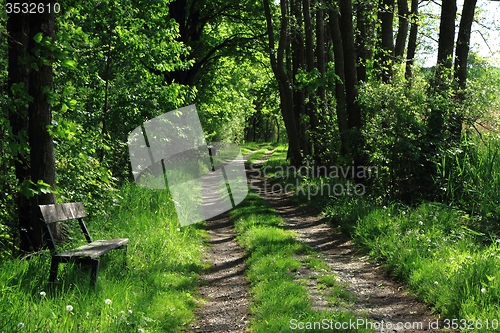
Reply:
x=224, y=286
x=377, y=296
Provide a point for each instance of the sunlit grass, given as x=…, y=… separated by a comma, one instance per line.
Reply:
x=152, y=292
x=277, y=297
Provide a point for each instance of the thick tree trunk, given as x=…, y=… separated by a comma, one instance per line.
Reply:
x=461, y=57
x=412, y=39
x=18, y=76
x=31, y=122
x=40, y=116
x=399, y=50
x=285, y=86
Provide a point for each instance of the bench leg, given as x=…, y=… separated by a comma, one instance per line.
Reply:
x=94, y=272
x=54, y=266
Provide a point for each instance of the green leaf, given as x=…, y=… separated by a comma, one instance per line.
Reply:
x=38, y=37
x=68, y=63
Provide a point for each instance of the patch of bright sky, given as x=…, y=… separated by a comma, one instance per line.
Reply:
x=485, y=37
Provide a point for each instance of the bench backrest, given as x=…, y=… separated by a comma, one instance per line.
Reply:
x=63, y=212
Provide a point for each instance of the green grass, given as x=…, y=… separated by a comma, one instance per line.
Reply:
x=262, y=149
x=432, y=249
x=152, y=293
x=279, y=301
x=435, y=249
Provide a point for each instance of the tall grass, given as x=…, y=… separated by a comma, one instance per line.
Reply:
x=472, y=179
x=433, y=249
x=151, y=293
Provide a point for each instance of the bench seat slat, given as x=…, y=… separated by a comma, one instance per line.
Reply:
x=95, y=249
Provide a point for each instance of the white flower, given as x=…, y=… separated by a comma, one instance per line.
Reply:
x=20, y=325
x=435, y=283
x=130, y=311
x=483, y=290
x=404, y=213
x=421, y=223
x=452, y=258
x=122, y=312
x=178, y=229
x=140, y=330
x=107, y=301
x=69, y=308
x=42, y=293
x=384, y=207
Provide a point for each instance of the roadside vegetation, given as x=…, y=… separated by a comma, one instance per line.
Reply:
x=154, y=291
x=447, y=252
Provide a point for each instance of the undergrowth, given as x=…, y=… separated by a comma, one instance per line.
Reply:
x=151, y=293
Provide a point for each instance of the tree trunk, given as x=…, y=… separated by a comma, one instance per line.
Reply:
x=354, y=120
x=339, y=84
x=299, y=63
x=461, y=57
x=18, y=30
x=387, y=17
x=412, y=39
x=285, y=87
x=43, y=165
x=361, y=39
x=321, y=56
x=446, y=37
x=399, y=50
x=310, y=95
x=37, y=82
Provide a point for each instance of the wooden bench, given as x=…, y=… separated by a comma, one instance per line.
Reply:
x=84, y=255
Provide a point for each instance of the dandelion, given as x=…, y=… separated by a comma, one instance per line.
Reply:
x=107, y=301
x=69, y=308
x=436, y=283
x=42, y=293
x=20, y=325
x=421, y=223
x=483, y=290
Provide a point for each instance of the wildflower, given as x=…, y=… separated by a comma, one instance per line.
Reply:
x=107, y=301
x=178, y=229
x=384, y=207
x=436, y=283
x=130, y=311
x=389, y=214
x=122, y=312
x=42, y=293
x=483, y=290
x=140, y=330
x=421, y=223
x=20, y=325
x=404, y=213
x=69, y=308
